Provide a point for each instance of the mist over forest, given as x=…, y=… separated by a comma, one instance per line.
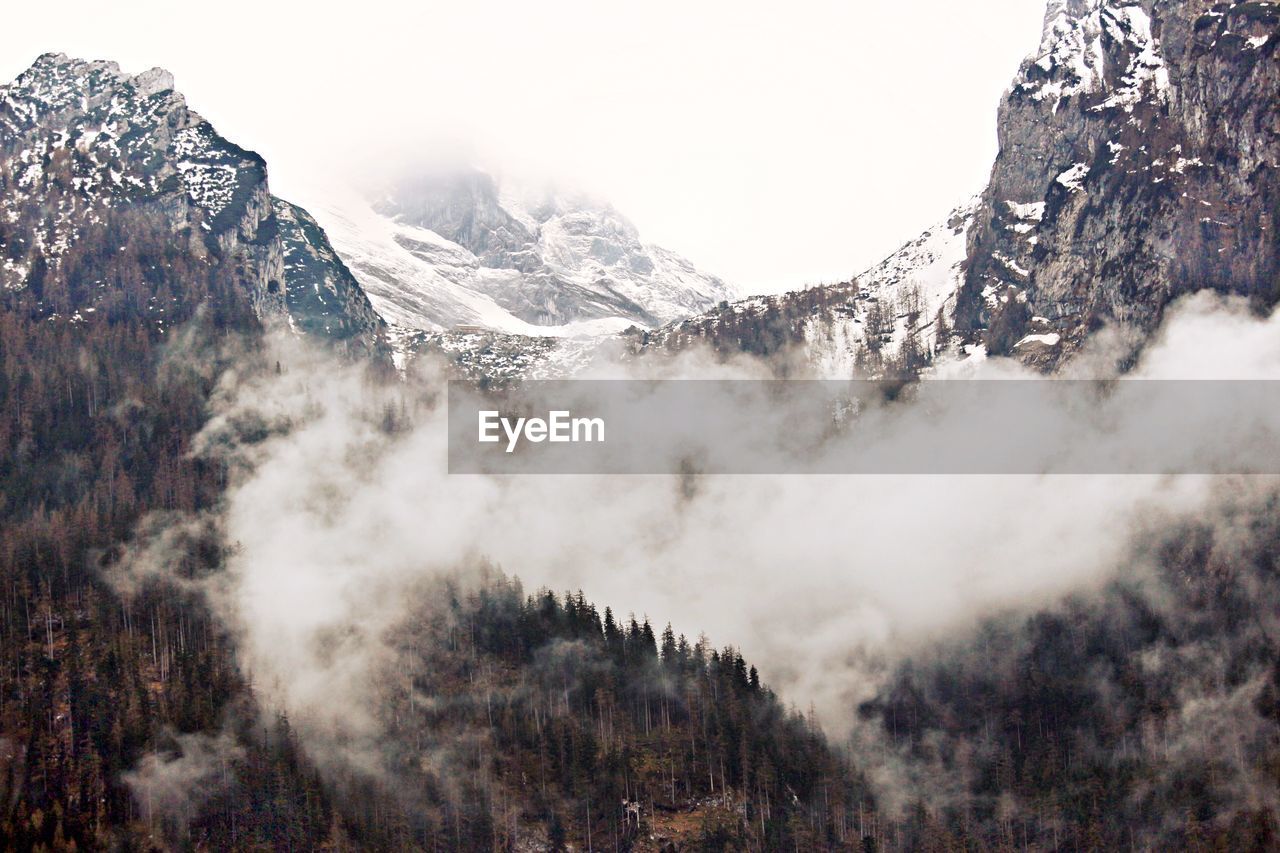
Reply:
x=250, y=601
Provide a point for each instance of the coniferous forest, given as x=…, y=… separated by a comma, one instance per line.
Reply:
x=95, y=690
x=246, y=605
x=1069, y=729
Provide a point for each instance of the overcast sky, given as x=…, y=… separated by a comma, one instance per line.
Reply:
x=776, y=145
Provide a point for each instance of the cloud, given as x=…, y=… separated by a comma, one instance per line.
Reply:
x=825, y=582
x=171, y=785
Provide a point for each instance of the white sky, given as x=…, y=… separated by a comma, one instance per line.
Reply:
x=775, y=144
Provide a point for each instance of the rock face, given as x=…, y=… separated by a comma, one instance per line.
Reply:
x=115, y=195
x=87, y=147
x=322, y=295
x=456, y=249
x=1139, y=161
x=1139, y=157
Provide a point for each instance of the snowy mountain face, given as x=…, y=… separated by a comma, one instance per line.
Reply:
x=1139, y=160
x=897, y=312
x=456, y=250
x=95, y=161
x=85, y=145
x=1139, y=156
x=323, y=297
x=894, y=315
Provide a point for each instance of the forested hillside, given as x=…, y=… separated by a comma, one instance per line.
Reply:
x=135, y=279
x=1144, y=715
x=559, y=724
x=110, y=709
x=547, y=720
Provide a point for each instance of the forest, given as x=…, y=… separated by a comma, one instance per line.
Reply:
x=1145, y=715
x=107, y=703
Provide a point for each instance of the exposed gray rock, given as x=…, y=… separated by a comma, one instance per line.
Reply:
x=1139, y=160
x=323, y=296
x=92, y=159
x=1139, y=157
x=86, y=146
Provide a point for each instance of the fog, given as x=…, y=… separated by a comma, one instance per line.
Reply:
x=333, y=521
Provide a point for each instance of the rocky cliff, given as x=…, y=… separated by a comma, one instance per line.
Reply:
x=115, y=196
x=1139, y=149
x=1139, y=157
x=323, y=297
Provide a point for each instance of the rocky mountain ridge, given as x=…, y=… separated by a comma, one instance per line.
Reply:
x=1139, y=150
x=894, y=315
x=1138, y=162
x=113, y=190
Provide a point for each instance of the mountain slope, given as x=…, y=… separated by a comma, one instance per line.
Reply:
x=323, y=296
x=1139, y=157
x=1139, y=161
x=116, y=196
x=456, y=249
x=886, y=316
x=895, y=313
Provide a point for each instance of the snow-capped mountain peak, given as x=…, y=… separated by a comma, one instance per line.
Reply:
x=1078, y=55
x=461, y=249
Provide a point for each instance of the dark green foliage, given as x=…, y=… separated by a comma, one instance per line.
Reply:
x=96, y=426
x=96, y=417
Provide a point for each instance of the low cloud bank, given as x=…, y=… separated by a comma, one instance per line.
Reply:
x=341, y=505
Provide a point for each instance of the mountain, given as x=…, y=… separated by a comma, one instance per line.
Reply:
x=1139, y=160
x=897, y=313
x=137, y=242
x=457, y=248
x=143, y=258
x=1115, y=191
x=116, y=197
x=324, y=298
x=1139, y=713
